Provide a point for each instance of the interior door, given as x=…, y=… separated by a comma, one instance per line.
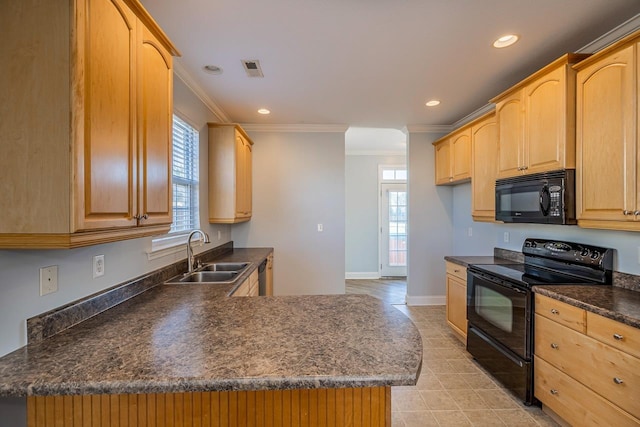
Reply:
x=393, y=230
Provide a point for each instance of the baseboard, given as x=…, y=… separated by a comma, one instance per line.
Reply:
x=426, y=300
x=362, y=275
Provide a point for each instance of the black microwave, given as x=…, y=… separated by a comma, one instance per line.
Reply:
x=540, y=198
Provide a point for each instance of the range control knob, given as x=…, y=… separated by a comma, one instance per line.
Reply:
x=585, y=252
x=595, y=255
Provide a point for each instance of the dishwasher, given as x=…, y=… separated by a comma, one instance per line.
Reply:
x=262, y=279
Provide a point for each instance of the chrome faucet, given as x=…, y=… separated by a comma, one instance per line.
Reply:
x=190, y=257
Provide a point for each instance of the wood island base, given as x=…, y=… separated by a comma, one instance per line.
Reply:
x=369, y=406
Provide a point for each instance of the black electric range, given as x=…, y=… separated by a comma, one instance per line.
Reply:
x=500, y=304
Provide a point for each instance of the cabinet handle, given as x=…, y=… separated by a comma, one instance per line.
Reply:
x=456, y=271
x=554, y=311
x=635, y=215
x=524, y=168
x=617, y=380
x=618, y=337
x=626, y=212
x=141, y=217
x=554, y=346
x=554, y=391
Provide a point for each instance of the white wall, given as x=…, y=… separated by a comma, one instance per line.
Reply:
x=362, y=212
x=487, y=235
x=19, y=269
x=298, y=182
x=430, y=224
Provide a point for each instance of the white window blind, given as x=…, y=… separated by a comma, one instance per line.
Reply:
x=185, y=177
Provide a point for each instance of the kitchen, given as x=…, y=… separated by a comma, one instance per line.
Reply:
x=311, y=252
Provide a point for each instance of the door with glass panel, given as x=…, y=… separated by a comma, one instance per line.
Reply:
x=393, y=230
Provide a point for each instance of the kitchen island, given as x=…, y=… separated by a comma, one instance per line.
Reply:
x=179, y=353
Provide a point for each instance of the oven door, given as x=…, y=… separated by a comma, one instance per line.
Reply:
x=501, y=310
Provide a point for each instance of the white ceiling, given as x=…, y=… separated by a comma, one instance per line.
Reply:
x=373, y=63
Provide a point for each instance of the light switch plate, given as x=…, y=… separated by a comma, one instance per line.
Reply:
x=506, y=236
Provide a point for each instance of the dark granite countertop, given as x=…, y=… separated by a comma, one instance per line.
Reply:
x=176, y=338
x=466, y=260
x=613, y=302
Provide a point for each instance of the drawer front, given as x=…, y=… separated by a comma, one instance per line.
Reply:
x=457, y=270
x=574, y=402
x=565, y=314
x=605, y=370
x=616, y=334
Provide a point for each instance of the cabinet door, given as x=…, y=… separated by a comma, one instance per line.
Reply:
x=155, y=127
x=243, y=177
x=485, y=167
x=104, y=124
x=461, y=155
x=545, y=122
x=457, y=304
x=606, y=141
x=509, y=113
x=443, y=162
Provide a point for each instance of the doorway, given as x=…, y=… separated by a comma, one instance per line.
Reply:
x=393, y=221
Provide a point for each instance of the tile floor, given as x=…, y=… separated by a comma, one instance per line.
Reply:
x=452, y=389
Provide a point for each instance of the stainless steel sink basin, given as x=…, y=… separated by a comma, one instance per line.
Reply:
x=206, y=277
x=217, y=272
x=224, y=266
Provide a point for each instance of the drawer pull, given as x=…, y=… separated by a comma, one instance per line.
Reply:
x=618, y=337
x=456, y=271
x=554, y=391
x=554, y=311
x=554, y=346
x=617, y=380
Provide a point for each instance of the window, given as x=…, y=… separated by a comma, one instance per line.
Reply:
x=185, y=177
x=393, y=174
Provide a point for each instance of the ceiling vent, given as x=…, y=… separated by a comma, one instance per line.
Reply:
x=252, y=67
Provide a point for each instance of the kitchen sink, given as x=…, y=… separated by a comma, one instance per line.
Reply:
x=224, y=266
x=205, y=277
x=217, y=272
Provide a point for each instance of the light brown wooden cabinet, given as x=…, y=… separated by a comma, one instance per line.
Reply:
x=230, y=174
x=88, y=153
x=484, y=167
x=536, y=121
x=607, y=179
x=583, y=379
x=248, y=288
x=453, y=157
x=456, y=308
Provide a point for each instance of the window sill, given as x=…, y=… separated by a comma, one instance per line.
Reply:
x=169, y=245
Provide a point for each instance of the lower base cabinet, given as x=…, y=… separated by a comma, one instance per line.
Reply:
x=586, y=368
x=457, y=299
x=248, y=288
x=364, y=407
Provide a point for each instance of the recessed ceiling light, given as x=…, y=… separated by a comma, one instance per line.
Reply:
x=264, y=111
x=432, y=103
x=212, y=69
x=506, y=40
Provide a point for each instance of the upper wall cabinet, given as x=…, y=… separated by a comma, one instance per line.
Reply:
x=484, y=166
x=230, y=174
x=536, y=121
x=86, y=123
x=453, y=157
x=607, y=140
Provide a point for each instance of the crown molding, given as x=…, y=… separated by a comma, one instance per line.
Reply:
x=186, y=78
x=471, y=117
x=428, y=129
x=306, y=128
x=612, y=36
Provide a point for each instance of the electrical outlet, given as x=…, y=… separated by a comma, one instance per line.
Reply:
x=506, y=237
x=98, y=266
x=469, y=231
x=638, y=254
x=48, y=280
x=219, y=235
x=320, y=228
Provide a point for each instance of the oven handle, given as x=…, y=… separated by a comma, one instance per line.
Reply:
x=492, y=279
x=506, y=354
